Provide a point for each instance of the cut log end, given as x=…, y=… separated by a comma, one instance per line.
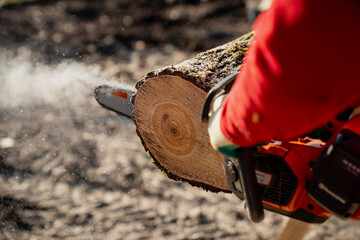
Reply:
x=168, y=120
x=167, y=114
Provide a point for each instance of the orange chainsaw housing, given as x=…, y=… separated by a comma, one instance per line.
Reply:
x=299, y=155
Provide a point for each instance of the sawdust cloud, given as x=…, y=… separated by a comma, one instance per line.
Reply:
x=25, y=80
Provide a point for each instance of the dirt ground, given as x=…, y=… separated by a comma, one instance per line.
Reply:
x=70, y=169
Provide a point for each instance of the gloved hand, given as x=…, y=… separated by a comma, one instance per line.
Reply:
x=217, y=138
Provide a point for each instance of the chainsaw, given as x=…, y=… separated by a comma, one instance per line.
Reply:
x=310, y=179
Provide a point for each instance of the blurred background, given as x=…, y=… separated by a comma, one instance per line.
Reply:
x=72, y=170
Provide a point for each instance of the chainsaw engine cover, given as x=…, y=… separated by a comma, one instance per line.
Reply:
x=282, y=170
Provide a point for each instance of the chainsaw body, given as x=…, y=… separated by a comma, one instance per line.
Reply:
x=283, y=170
x=307, y=179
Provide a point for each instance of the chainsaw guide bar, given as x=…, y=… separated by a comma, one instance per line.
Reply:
x=115, y=99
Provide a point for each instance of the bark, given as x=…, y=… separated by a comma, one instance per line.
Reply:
x=167, y=114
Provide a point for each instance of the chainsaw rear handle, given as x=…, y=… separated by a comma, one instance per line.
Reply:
x=246, y=171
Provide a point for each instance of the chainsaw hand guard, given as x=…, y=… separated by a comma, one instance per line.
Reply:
x=223, y=87
x=243, y=166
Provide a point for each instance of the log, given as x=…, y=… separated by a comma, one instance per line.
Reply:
x=167, y=115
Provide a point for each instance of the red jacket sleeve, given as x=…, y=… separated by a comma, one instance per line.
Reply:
x=301, y=70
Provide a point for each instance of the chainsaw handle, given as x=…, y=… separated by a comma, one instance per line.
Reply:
x=249, y=183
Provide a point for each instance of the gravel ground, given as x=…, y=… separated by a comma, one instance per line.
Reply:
x=72, y=170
